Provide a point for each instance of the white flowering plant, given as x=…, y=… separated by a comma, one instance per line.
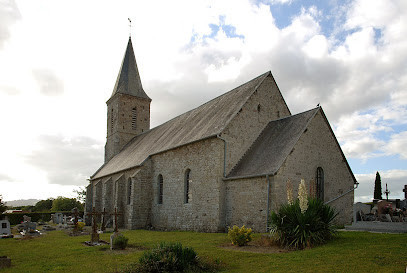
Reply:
x=303, y=223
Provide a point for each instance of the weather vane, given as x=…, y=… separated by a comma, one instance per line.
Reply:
x=129, y=27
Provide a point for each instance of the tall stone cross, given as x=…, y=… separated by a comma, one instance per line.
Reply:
x=75, y=214
x=405, y=191
x=95, y=234
x=387, y=192
x=103, y=225
x=116, y=225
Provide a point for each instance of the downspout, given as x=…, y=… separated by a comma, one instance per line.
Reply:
x=224, y=155
x=268, y=202
x=355, y=186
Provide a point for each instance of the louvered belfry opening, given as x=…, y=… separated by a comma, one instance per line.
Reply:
x=134, y=118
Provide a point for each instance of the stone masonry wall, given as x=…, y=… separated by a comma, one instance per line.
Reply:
x=203, y=213
x=246, y=203
x=140, y=206
x=316, y=148
x=264, y=105
x=119, y=121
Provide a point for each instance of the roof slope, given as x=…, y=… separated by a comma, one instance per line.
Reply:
x=202, y=122
x=273, y=145
x=128, y=81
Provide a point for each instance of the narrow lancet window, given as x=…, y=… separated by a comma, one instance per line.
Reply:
x=320, y=183
x=187, y=188
x=134, y=118
x=160, y=189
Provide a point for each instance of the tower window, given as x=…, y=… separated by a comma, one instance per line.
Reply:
x=320, y=183
x=187, y=193
x=134, y=118
x=160, y=189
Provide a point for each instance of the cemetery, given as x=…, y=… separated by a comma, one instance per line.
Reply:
x=64, y=242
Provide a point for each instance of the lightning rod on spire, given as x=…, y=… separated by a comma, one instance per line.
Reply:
x=129, y=27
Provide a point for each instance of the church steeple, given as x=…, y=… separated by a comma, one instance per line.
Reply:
x=128, y=109
x=128, y=81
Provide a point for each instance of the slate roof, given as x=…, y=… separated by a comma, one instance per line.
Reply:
x=207, y=120
x=128, y=81
x=274, y=144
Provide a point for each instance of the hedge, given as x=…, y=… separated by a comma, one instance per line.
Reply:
x=18, y=217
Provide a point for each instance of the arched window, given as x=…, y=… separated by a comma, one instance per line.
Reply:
x=187, y=193
x=128, y=191
x=320, y=183
x=160, y=188
x=134, y=118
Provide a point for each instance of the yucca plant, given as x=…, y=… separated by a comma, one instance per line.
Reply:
x=296, y=229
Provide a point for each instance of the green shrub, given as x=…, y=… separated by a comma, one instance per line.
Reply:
x=240, y=236
x=168, y=257
x=120, y=242
x=291, y=228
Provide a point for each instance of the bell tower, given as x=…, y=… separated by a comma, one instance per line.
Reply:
x=128, y=109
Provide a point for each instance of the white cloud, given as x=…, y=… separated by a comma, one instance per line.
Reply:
x=398, y=145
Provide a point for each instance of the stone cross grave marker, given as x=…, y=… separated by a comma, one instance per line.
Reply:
x=116, y=227
x=95, y=235
x=75, y=219
x=103, y=225
x=116, y=224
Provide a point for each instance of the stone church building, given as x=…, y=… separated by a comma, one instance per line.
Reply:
x=221, y=164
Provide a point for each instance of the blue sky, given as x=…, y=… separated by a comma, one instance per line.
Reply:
x=56, y=73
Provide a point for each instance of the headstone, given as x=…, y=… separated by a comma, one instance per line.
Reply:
x=103, y=225
x=57, y=218
x=95, y=235
x=5, y=228
x=116, y=227
x=26, y=218
x=112, y=237
x=360, y=207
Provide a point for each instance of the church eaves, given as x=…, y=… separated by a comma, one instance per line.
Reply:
x=128, y=81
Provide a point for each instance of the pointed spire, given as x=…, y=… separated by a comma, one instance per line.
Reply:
x=128, y=81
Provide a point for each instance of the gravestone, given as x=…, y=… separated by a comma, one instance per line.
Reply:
x=94, y=239
x=57, y=218
x=26, y=218
x=358, y=208
x=5, y=230
x=116, y=228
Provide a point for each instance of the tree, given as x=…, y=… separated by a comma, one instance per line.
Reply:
x=65, y=204
x=3, y=206
x=81, y=192
x=44, y=205
x=377, y=187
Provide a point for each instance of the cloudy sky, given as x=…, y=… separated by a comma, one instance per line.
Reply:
x=59, y=61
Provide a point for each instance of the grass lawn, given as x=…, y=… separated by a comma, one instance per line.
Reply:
x=350, y=252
